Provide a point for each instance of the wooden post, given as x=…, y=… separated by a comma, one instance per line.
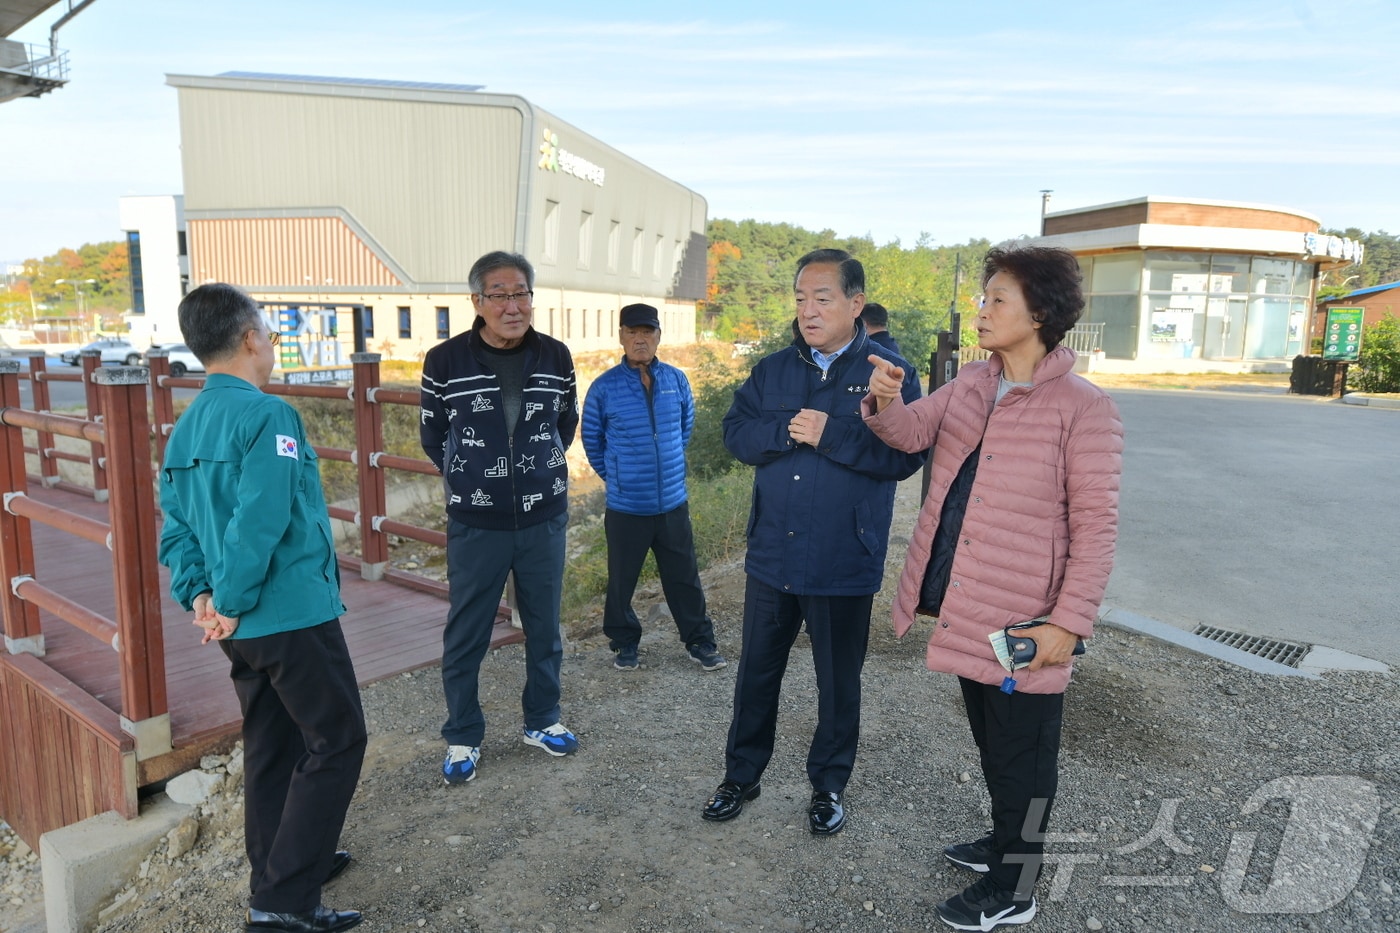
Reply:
x=145, y=711
x=39, y=391
x=162, y=400
x=943, y=362
x=22, y=632
x=92, y=362
x=369, y=444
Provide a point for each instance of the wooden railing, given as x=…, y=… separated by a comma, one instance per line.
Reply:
x=135, y=633
x=64, y=755
x=367, y=398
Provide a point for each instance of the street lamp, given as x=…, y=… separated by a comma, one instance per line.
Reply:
x=77, y=294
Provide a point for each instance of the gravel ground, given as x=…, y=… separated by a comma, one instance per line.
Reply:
x=1212, y=756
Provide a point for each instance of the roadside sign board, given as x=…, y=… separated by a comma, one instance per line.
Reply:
x=1341, y=339
x=301, y=377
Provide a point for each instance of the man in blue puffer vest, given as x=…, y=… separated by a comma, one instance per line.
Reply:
x=637, y=420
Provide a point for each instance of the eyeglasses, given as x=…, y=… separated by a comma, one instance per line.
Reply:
x=274, y=338
x=501, y=299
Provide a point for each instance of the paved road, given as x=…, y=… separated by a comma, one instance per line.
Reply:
x=1272, y=515
x=66, y=395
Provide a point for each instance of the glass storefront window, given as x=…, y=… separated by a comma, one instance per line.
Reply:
x=1303, y=278
x=1119, y=315
x=1116, y=273
x=1178, y=272
x=1229, y=275
x=1266, y=333
x=1271, y=276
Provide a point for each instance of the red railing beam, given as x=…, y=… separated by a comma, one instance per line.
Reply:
x=89, y=529
x=22, y=631
x=75, y=614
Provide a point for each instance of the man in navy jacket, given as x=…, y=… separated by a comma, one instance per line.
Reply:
x=499, y=409
x=637, y=420
x=823, y=499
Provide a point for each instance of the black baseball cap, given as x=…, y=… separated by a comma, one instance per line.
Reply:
x=639, y=315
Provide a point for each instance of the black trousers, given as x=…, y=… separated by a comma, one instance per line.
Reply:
x=303, y=743
x=669, y=537
x=1018, y=736
x=839, y=629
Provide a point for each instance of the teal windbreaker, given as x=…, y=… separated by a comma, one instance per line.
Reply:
x=245, y=518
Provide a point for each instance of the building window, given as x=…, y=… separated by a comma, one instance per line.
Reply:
x=444, y=324
x=637, y=251
x=614, y=244
x=656, y=257
x=405, y=323
x=368, y=321
x=551, y=231
x=138, y=288
x=585, y=238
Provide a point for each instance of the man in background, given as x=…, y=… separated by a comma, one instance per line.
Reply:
x=637, y=420
x=877, y=321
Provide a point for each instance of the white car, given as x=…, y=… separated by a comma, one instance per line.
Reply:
x=114, y=350
x=182, y=360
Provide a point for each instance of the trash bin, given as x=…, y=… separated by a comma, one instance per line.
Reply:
x=1313, y=375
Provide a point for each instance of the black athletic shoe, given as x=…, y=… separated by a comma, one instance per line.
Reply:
x=984, y=906
x=974, y=855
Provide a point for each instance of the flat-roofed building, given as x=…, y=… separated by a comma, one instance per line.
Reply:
x=1182, y=285
x=311, y=190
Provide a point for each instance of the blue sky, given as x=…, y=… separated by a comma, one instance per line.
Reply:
x=881, y=118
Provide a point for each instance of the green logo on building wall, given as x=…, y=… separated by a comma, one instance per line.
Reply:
x=549, y=152
x=554, y=158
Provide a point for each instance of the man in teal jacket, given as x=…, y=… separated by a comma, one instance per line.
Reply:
x=249, y=547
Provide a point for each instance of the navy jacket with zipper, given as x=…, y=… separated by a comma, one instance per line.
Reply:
x=493, y=479
x=636, y=441
x=820, y=519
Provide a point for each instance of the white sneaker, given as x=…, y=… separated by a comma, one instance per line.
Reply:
x=554, y=739
x=460, y=765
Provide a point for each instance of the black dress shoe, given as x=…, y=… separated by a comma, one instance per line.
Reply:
x=320, y=920
x=826, y=815
x=339, y=862
x=728, y=800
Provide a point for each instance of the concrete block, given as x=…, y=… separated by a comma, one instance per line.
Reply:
x=85, y=864
x=193, y=787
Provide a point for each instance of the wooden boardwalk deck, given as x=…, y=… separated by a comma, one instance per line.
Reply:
x=389, y=628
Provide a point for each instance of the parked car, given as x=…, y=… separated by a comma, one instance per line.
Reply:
x=113, y=349
x=182, y=360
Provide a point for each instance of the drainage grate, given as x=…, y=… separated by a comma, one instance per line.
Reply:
x=1284, y=652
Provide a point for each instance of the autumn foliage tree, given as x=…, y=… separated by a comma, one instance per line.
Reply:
x=107, y=295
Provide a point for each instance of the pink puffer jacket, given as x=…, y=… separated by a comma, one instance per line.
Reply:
x=1042, y=516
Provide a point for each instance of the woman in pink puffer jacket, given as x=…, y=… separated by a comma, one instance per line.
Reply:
x=1019, y=524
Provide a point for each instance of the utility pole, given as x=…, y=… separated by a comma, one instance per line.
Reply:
x=1044, y=205
x=944, y=365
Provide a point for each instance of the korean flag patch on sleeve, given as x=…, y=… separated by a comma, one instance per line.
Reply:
x=286, y=446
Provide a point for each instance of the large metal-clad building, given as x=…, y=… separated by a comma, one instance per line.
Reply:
x=383, y=193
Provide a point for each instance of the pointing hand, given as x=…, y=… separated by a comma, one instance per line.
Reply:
x=886, y=380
